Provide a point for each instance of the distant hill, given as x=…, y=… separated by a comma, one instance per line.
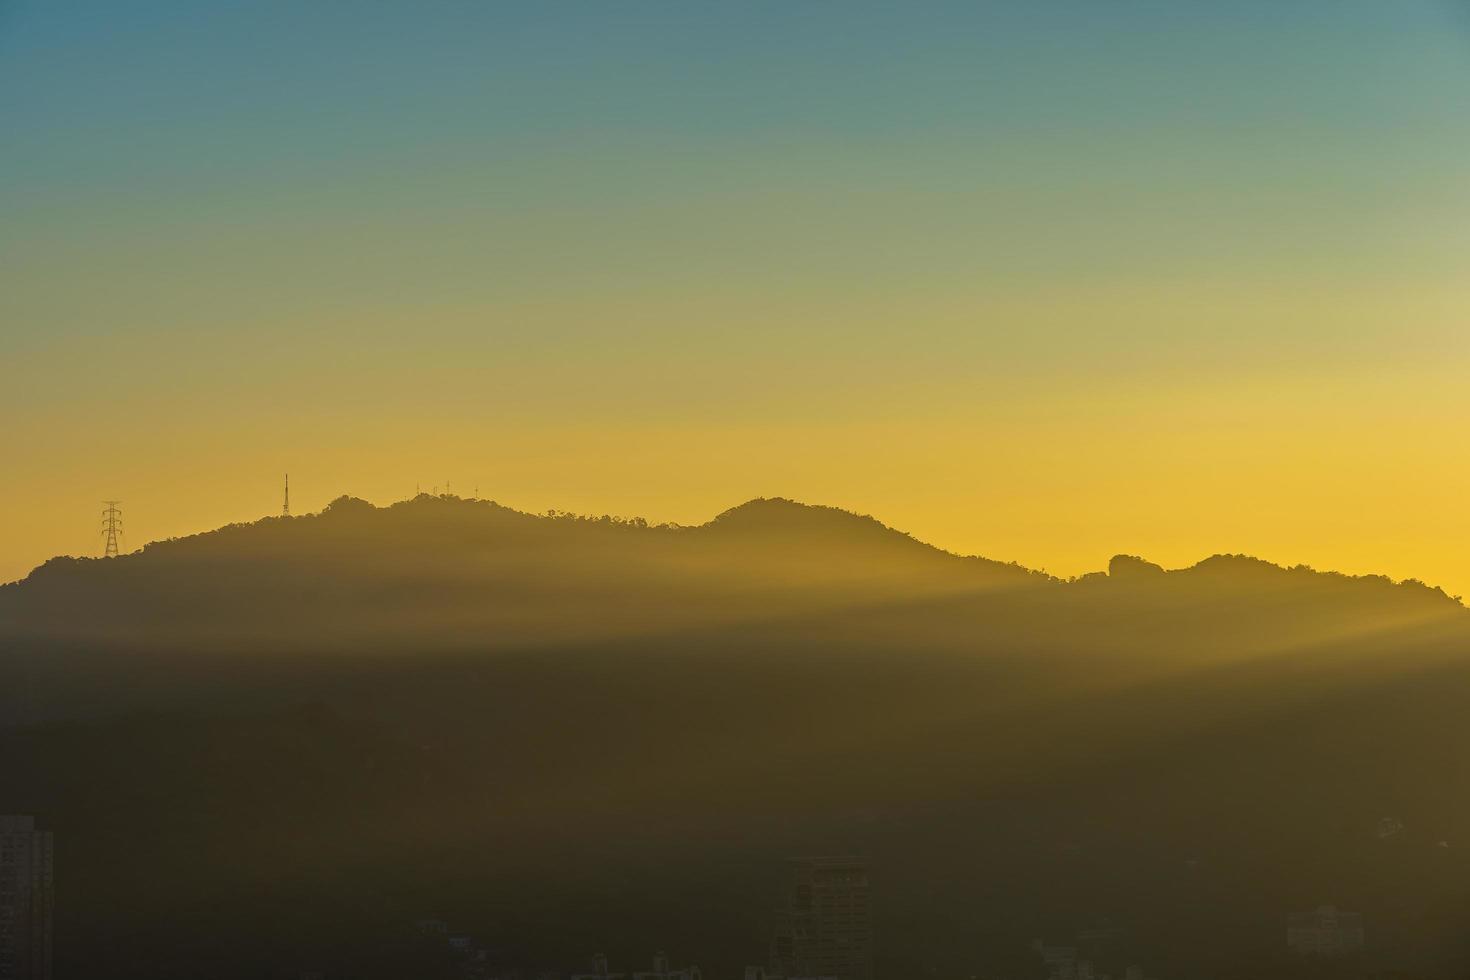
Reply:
x=448, y=570
x=435, y=571
x=271, y=748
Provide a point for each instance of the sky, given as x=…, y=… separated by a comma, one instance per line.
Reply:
x=1043, y=281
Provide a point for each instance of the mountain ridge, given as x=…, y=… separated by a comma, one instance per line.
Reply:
x=436, y=702
x=443, y=572
x=757, y=517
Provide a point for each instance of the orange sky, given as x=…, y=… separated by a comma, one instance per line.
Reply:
x=1034, y=286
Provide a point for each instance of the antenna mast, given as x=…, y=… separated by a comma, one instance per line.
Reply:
x=286, y=504
x=111, y=528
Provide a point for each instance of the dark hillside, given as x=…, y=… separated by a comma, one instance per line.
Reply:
x=273, y=747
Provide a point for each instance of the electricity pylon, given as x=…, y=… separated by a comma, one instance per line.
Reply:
x=111, y=528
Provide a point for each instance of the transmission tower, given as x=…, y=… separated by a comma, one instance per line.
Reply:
x=111, y=528
x=286, y=504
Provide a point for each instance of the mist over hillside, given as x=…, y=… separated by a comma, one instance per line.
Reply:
x=571, y=735
x=444, y=570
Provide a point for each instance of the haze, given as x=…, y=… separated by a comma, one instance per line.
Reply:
x=1043, y=282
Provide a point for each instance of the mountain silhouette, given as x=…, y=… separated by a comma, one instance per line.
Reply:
x=572, y=734
x=444, y=570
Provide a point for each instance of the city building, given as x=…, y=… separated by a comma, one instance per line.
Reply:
x=663, y=971
x=1060, y=962
x=1325, y=931
x=25, y=900
x=473, y=958
x=599, y=970
x=760, y=973
x=825, y=928
x=1067, y=962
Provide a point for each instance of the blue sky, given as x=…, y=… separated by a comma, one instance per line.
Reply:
x=221, y=222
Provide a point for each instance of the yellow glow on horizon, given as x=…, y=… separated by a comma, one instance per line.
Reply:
x=1358, y=471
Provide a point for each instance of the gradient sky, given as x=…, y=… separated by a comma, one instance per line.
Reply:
x=1044, y=281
